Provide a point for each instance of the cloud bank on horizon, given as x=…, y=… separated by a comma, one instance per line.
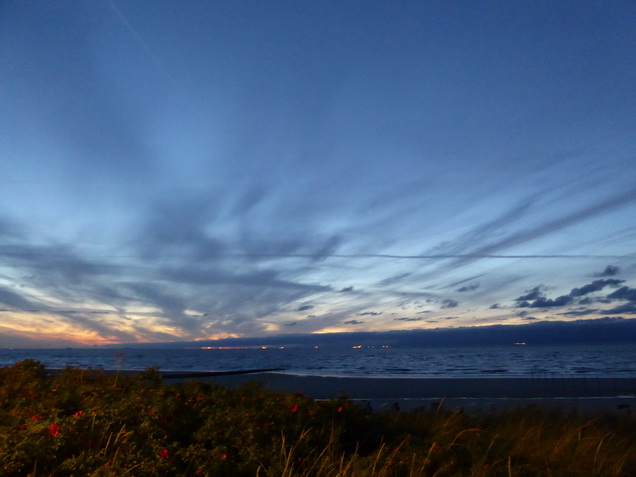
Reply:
x=178, y=171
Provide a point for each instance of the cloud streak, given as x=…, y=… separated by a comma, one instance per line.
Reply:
x=321, y=170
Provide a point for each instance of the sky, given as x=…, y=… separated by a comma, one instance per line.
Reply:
x=201, y=170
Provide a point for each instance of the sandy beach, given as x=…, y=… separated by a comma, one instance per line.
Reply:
x=321, y=387
x=472, y=394
x=591, y=394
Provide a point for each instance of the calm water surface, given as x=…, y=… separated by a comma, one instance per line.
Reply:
x=532, y=361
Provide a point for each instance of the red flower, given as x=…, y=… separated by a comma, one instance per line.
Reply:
x=224, y=456
x=23, y=427
x=340, y=409
x=54, y=429
x=79, y=413
x=294, y=408
x=164, y=453
x=35, y=418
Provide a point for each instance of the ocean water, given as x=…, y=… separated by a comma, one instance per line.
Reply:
x=501, y=361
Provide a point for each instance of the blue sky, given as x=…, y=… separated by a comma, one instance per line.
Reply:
x=196, y=170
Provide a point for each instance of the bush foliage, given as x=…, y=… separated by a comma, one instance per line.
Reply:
x=90, y=423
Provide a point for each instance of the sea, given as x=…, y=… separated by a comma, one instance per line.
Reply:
x=519, y=360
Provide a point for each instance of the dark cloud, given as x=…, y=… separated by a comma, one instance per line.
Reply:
x=408, y=319
x=609, y=271
x=623, y=293
x=353, y=322
x=531, y=294
x=370, y=313
x=494, y=306
x=627, y=308
x=346, y=289
x=596, y=285
x=448, y=303
x=525, y=315
x=581, y=312
x=468, y=287
x=305, y=308
x=535, y=298
x=543, y=302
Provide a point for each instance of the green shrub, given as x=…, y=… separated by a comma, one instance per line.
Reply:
x=90, y=423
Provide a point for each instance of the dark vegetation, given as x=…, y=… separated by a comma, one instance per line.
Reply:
x=89, y=423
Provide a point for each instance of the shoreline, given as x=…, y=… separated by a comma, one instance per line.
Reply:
x=407, y=387
x=323, y=387
x=590, y=395
x=471, y=395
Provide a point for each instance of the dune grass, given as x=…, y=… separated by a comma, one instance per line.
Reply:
x=88, y=423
